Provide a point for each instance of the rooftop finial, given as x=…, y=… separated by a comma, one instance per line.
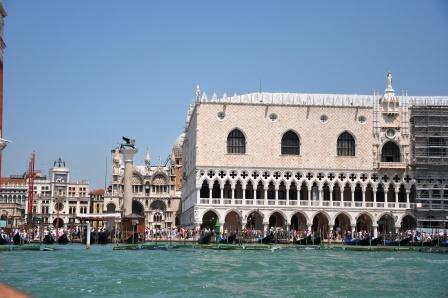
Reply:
x=198, y=93
x=389, y=82
x=147, y=157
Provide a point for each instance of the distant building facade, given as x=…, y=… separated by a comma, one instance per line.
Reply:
x=97, y=205
x=321, y=162
x=57, y=199
x=156, y=188
x=13, y=196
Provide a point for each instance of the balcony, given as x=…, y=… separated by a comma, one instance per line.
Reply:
x=313, y=204
x=392, y=165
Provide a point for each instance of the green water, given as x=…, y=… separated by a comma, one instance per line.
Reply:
x=72, y=271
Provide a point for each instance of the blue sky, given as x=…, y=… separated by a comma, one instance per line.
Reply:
x=81, y=74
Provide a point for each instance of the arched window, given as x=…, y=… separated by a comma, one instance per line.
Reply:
x=390, y=152
x=346, y=145
x=290, y=143
x=236, y=142
x=157, y=217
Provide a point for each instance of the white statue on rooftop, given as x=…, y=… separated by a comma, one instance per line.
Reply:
x=389, y=81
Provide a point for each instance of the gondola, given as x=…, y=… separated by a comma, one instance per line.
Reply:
x=444, y=243
x=267, y=239
x=229, y=240
x=308, y=241
x=3, y=241
x=48, y=239
x=405, y=241
x=375, y=241
x=351, y=241
x=205, y=239
x=16, y=239
x=364, y=241
x=63, y=239
x=303, y=241
x=102, y=237
x=133, y=239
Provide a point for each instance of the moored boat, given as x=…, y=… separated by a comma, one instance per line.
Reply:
x=364, y=241
x=375, y=241
x=3, y=241
x=63, y=239
x=205, y=239
x=405, y=241
x=48, y=239
x=351, y=241
x=268, y=239
x=229, y=240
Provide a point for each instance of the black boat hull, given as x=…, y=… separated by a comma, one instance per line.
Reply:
x=48, y=239
x=205, y=239
x=63, y=239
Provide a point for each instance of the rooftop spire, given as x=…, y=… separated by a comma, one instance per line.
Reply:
x=147, y=157
x=198, y=92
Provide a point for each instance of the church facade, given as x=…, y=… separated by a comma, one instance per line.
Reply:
x=319, y=162
x=156, y=188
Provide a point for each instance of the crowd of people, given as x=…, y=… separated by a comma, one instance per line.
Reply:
x=75, y=233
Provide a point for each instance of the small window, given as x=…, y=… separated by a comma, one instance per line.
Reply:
x=346, y=145
x=290, y=143
x=273, y=117
x=236, y=142
x=362, y=119
x=221, y=115
x=324, y=118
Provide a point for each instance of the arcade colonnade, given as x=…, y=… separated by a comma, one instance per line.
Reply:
x=288, y=188
x=317, y=221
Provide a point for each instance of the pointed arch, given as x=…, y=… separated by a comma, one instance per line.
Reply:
x=290, y=143
x=236, y=142
x=390, y=152
x=346, y=145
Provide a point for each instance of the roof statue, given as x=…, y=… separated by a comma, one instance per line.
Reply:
x=116, y=156
x=389, y=82
x=198, y=92
x=128, y=143
x=59, y=163
x=147, y=160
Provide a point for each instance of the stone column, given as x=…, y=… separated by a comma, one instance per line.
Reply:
x=128, y=158
x=321, y=194
x=330, y=235
x=331, y=197
x=287, y=196
x=221, y=199
x=265, y=195
x=244, y=194
x=374, y=198
x=375, y=231
x=276, y=195
x=363, y=197
x=353, y=230
x=210, y=193
x=353, y=198
x=407, y=199
x=233, y=194
x=310, y=192
x=396, y=198
x=198, y=195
